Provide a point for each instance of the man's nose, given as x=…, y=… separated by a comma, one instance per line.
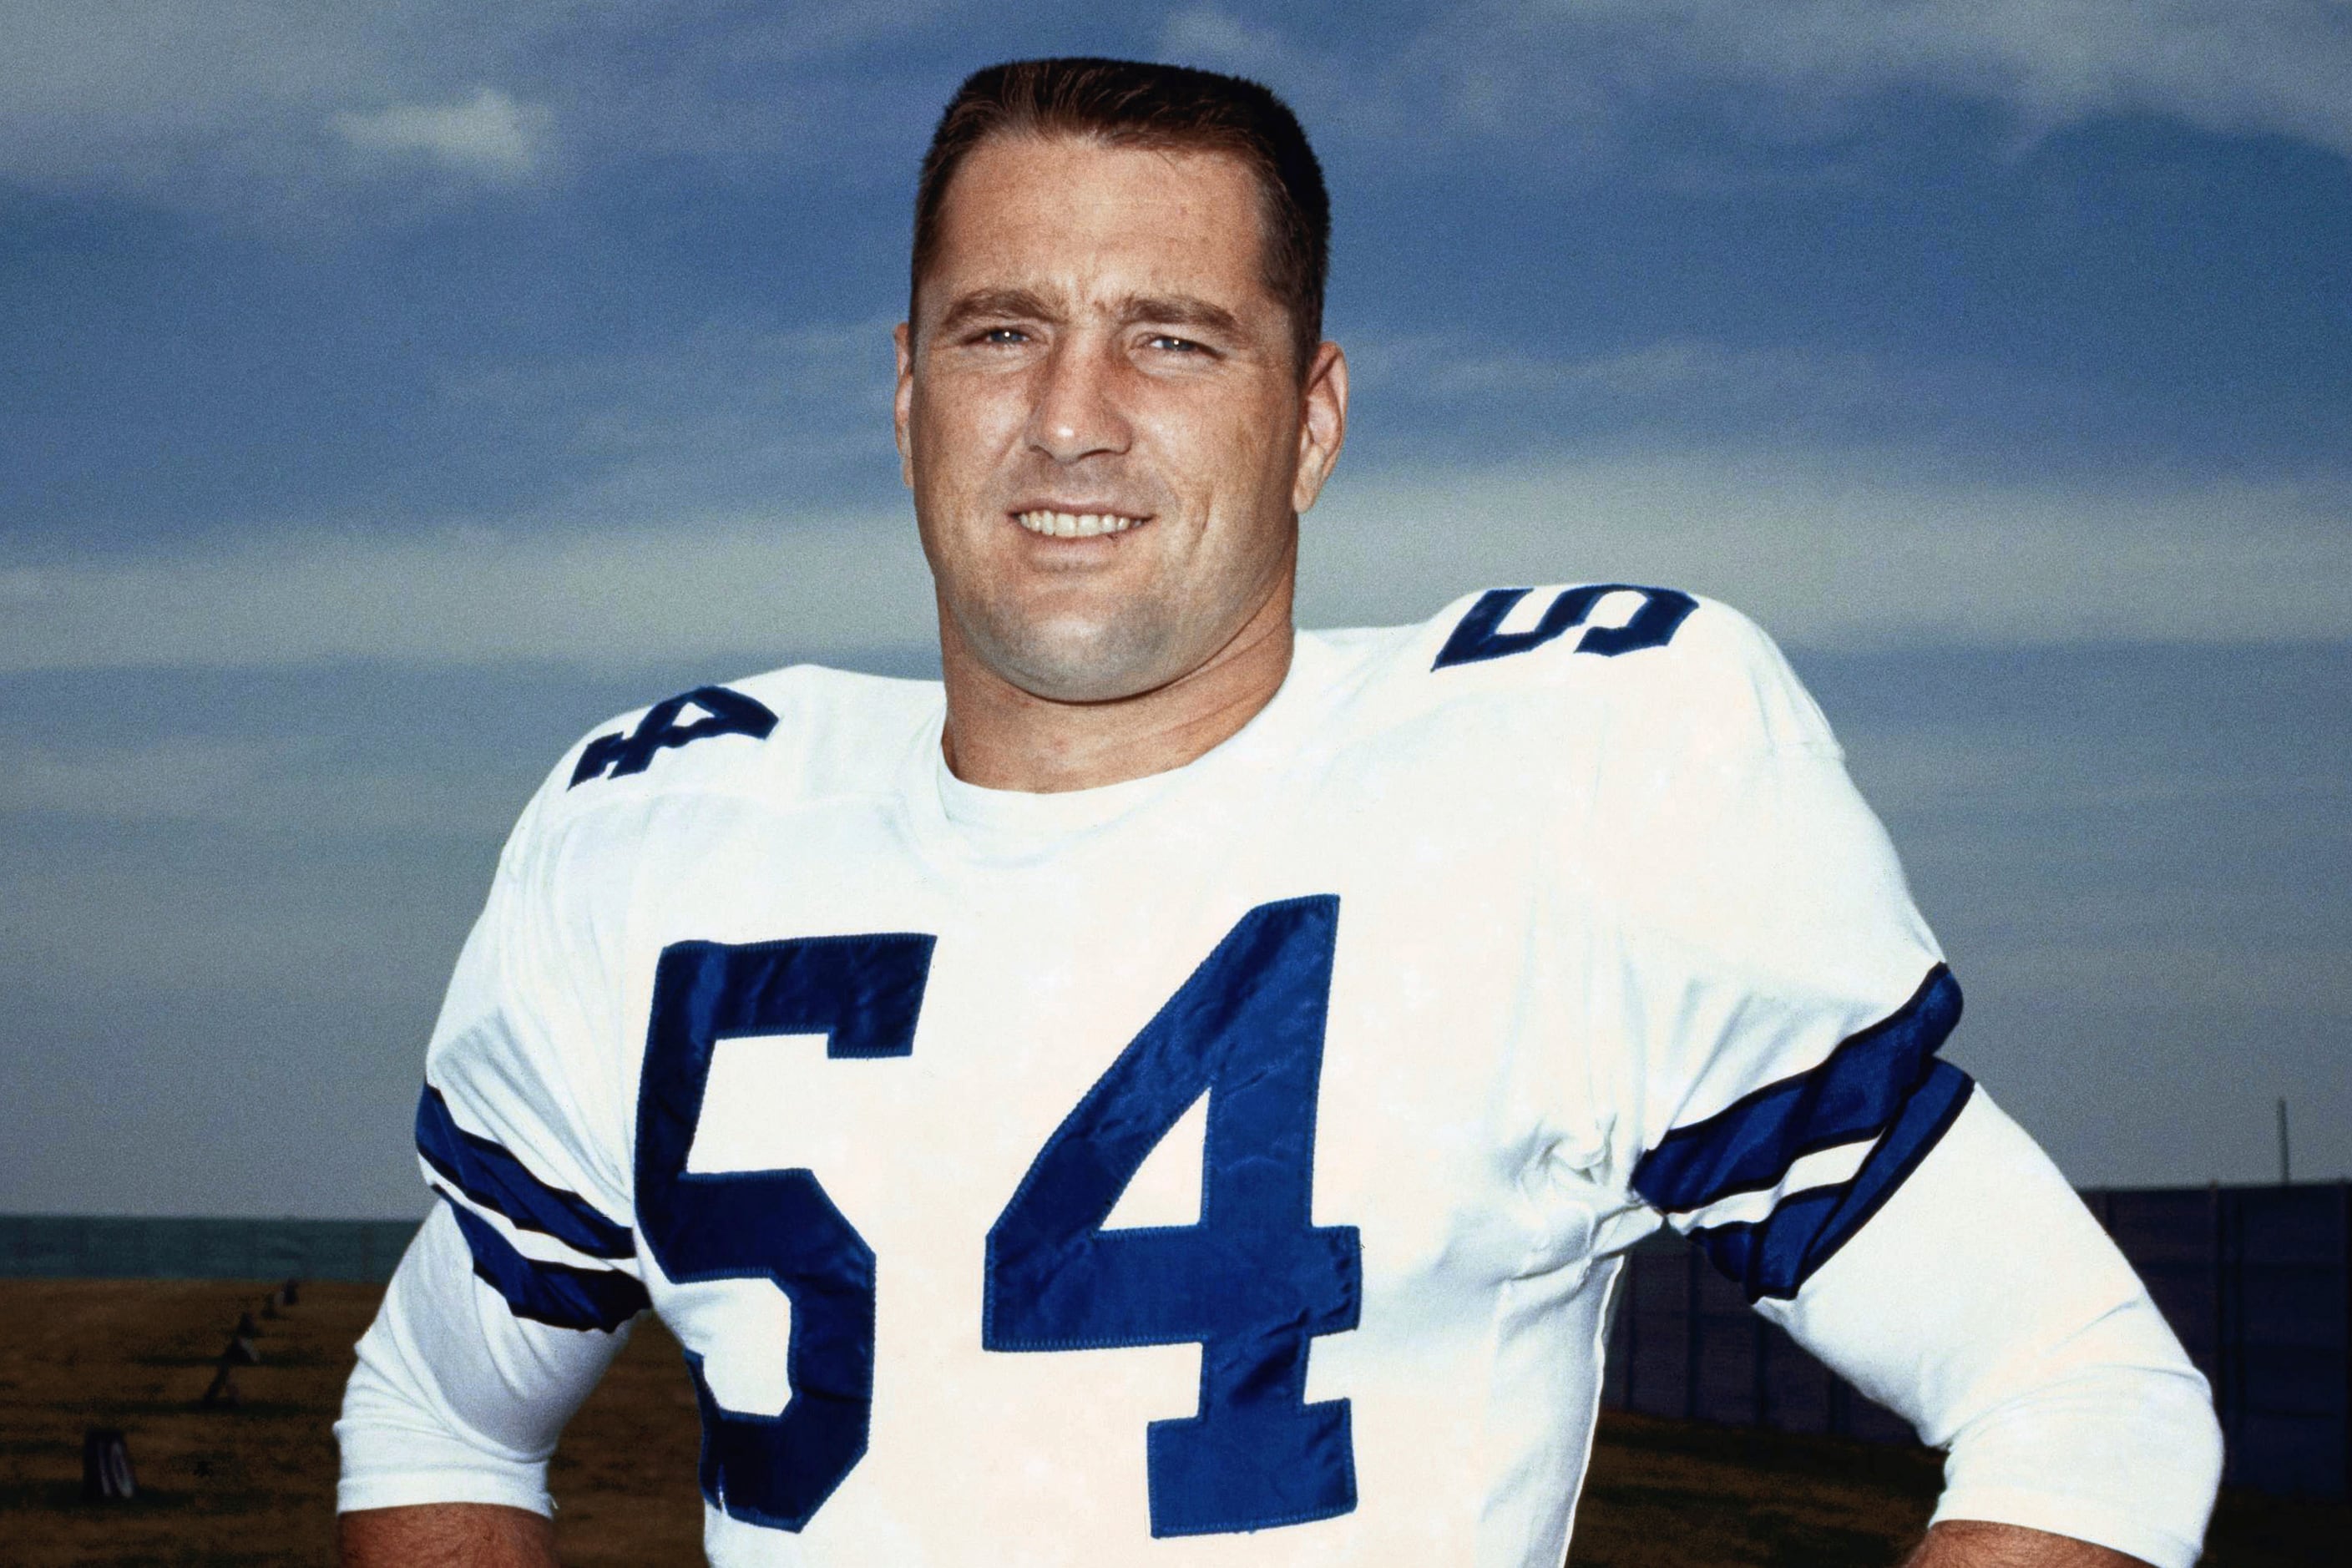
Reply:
x=1076, y=413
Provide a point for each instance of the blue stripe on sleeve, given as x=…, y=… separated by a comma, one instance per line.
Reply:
x=1775, y=1256
x=556, y=1294
x=1859, y=1091
x=494, y=1179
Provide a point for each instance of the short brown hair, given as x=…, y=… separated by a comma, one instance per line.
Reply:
x=1129, y=103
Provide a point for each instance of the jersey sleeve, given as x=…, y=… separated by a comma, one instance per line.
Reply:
x=1986, y=1307
x=1778, y=1001
x=519, y=1288
x=1782, y=1103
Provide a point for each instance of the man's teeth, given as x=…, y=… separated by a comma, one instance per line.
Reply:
x=1074, y=524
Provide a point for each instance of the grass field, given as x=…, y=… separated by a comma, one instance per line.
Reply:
x=254, y=1484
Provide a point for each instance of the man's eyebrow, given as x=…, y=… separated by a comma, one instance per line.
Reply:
x=1029, y=305
x=983, y=304
x=1179, y=310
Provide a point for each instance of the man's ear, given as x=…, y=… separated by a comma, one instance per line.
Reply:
x=1323, y=427
x=902, y=402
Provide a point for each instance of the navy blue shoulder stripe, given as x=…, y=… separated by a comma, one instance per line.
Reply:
x=556, y=1294
x=494, y=1179
x=1858, y=1092
x=1774, y=1256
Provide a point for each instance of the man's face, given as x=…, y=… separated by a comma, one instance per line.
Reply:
x=1100, y=417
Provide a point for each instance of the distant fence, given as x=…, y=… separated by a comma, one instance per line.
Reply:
x=2257, y=1282
x=88, y=1247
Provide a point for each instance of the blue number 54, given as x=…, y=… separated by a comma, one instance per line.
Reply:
x=1254, y=1282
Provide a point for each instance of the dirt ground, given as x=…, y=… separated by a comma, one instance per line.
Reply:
x=254, y=1484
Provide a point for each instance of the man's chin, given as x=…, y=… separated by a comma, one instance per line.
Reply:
x=1077, y=664
x=1084, y=683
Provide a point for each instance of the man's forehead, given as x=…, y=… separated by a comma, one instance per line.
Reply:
x=1080, y=218
x=1065, y=161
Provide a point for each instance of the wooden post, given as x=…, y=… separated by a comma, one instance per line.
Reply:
x=1690, y=1334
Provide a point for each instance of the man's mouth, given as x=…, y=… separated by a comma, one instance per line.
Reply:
x=1075, y=525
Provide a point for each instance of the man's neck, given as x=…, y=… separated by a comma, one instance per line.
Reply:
x=999, y=736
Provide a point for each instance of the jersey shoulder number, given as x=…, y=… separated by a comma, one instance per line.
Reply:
x=1479, y=635
x=724, y=711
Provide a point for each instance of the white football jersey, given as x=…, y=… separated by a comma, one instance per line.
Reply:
x=1222, y=1167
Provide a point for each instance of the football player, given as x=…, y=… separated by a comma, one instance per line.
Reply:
x=1178, y=1090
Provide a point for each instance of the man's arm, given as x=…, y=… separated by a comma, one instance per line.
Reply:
x=1968, y=1543
x=479, y=1536
x=452, y=1410
x=446, y=1535
x=1784, y=1105
x=522, y=1285
x=1985, y=1305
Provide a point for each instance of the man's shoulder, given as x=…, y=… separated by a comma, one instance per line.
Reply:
x=1614, y=661
x=789, y=737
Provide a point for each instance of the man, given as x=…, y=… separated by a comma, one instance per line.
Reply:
x=1178, y=1090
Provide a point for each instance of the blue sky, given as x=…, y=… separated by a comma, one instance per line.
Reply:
x=393, y=392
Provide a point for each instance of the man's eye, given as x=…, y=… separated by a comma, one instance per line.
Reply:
x=1173, y=345
x=1004, y=335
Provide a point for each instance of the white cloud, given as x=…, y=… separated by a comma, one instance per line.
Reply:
x=1825, y=551
x=730, y=411
x=1679, y=372
x=237, y=103
x=146, y=93
x=303, y=784
x=489, y=134
x=1850, y=549
x=2226, y=65
x=208, y=104
x=1577, y=75
x=732, y=585
x=1212, y=39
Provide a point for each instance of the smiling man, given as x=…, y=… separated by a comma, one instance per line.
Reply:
x=1178, y=1090
x=1114, y=413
